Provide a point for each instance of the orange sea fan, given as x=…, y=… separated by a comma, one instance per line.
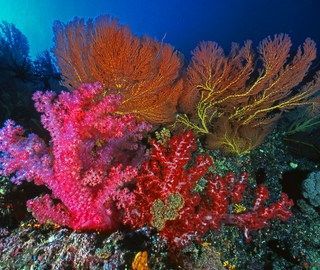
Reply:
x=144, y=71
x=248, y=94
x=211, y=69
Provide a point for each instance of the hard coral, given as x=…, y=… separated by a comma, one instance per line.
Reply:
x=86, y=163
x=165, y=195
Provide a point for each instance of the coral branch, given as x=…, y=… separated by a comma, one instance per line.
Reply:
x=165, y=196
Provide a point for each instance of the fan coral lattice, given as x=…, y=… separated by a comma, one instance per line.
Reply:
x=143, y=70
x=235, y=100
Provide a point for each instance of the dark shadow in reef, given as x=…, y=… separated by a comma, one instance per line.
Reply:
x=291, y=183
x=306, y=145
x=280, y=250
x=260, y=176
x=16, y=200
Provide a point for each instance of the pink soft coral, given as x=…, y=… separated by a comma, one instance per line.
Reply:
x=86, y=163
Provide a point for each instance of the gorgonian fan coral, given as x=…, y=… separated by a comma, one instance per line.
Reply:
x=235, y=100
x=144, y=71
x=165, y=195
x=86, y=163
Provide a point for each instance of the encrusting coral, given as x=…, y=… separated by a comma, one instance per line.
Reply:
x=145, y=72
x=235, y=100
x=311, y=188
x=87, y=162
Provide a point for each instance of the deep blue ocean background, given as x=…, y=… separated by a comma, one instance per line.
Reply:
x=181, y=23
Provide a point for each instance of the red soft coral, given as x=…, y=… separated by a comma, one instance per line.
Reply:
x=168, y=178
x=223, y=191
x=165, y=195
x=86, y=164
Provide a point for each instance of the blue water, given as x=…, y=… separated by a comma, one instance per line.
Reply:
x=182, y=23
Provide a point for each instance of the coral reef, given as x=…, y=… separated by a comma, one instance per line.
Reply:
x=280, y=245
x=45, y=247
x=144, y=71
x=295, y=238
x=103, y=196
x=87, y=162
x=201, y=257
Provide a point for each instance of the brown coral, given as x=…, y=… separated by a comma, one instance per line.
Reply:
x=235, y=100
x=144, y=71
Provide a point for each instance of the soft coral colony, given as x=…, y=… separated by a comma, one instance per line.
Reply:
x=165, y=195
x=98, y=169
x=88, y=160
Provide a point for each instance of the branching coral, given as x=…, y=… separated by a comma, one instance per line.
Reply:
x=165, y=195
x=84, y=165
x=143, y=70
x=235, y=101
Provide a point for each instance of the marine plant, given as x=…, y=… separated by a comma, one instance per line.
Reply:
x=144, y=71
x=85, y=165
x=235, y=100
x=165, y=196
